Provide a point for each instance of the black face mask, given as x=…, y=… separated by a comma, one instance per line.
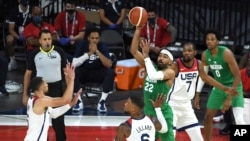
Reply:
x=151, y=20
x=37, y=20
x=70, y=11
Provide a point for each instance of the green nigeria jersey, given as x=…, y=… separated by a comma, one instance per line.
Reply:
x=219, y=66
x=151, y=89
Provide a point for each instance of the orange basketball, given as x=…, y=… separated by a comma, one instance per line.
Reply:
x=138, y=16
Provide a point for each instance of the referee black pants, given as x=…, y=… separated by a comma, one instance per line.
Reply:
x=56, y=90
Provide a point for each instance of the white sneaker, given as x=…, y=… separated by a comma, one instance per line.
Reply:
x=78, y=107
x=101, y=107
x=218, y=118
x=12, y=65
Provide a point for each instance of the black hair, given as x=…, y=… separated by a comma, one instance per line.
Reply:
x=91, y=30
x=138, y=101
x=73, y=2
x=45, y=31
x=152, y=9
x=35, y=83
x=190, y=43
x=215, y=32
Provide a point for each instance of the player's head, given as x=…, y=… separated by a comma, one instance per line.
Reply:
x=38, y=84
x=189, y=52
x=164, y=59
x=45, y=39
x=212, y=38
x=93, y=35
x=248, y=67
x=134, y=104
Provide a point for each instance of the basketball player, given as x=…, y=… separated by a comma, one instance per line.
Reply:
x=140, y=127
x=159, y=82
x=39, y=107
x=225, y=70
x=188, y=69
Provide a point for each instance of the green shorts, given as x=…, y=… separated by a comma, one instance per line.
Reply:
x=217, y=98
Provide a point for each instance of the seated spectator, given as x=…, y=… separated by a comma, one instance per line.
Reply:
x=3, y=75
x=32, y=30
x=245, y=77
x=93, y=65
x=112, y=14
x=19, y=17
x=244, y=59
x=158, y=31
x=70, y=25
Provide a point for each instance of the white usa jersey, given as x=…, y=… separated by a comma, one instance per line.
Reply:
x=141, y=129
x=38, y=125
x=184, y=87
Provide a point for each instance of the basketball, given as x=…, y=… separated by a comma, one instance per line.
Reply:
x=138, y=16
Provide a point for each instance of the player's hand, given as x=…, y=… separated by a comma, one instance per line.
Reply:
x=155, y=49
x=69, y=71
x=92, y=49
x=160, y=99
x=139, y=27
x=145, y=46
x=226, y=104
x=197, y=100
x=231, y=91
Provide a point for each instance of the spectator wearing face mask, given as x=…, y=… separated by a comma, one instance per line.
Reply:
x=32, y=30
x=18, y=17
x=158, y=31
x=70, y=25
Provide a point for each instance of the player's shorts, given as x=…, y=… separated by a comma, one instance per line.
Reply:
x=184, y=117
x=217, y=97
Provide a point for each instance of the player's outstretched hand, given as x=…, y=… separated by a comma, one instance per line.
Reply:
x=69, y=72
x=145, y=46
x=160, y=99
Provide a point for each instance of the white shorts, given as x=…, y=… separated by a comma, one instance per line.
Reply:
x=184, y=116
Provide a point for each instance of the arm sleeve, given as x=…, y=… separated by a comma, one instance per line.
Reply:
x=160, y=117
x=152, y=73
x=56, y=112
x=80, y=60
x=200, y=81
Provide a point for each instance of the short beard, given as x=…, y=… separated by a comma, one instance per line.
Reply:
x=161, y=67
x=186, y=60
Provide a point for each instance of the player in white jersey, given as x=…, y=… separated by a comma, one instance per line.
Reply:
x=140, y=127
x=188, y=69
x=39, y=107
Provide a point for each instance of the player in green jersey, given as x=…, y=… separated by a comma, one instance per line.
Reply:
x=155, y=81
x=225, y=70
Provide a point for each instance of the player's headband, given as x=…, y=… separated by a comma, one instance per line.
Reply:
x=165, y=51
